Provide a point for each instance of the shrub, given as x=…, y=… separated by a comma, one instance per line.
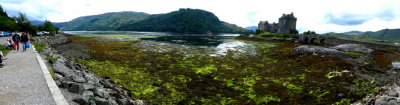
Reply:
x=39, y=46
x=51, y=59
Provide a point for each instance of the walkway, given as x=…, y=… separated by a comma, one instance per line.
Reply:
x=23, y=82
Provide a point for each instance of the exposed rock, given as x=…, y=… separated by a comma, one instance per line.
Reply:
x=89, y=77
x=58, y=83
x=58, y=76
x=88, y=87
x=124, y=101
x=53, y=41
x=81, y=100
x=77, y=88
x=138, y=102
x=392, y=102
x=353, y=48
x=393, y=93
x=316, y=50
x=60, y=67
x=113, y=102
x=79, y=79
x=102, y=101
x=101, y=93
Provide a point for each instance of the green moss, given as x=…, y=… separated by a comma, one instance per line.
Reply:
x=353, y=53
x=51, y=59
x=272, y=75
x=206, y=70
x=333, y=74
x=52, y=73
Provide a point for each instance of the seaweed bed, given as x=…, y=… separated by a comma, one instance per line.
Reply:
x=273, y=75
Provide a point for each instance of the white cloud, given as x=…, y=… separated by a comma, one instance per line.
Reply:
x=311, y=14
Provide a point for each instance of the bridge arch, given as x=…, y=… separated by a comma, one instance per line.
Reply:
x=314, y=41
x=323, y=41
x=305, y=40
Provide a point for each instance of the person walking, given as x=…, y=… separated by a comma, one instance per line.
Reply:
x=24, y=41
x=16, y=38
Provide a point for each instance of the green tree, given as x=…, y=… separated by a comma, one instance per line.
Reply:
x=309, y=33
x=6, y=23
x=25, y=25
x=48, y=26
x=259, y=31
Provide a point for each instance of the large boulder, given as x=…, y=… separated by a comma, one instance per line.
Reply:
x=76, y=88
x=317, y=50
x=353, y=48
x=59, y=67
x=101, y=92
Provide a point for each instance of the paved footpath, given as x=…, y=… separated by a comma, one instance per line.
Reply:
x=23, y=81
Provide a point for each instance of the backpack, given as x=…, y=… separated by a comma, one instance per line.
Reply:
x=24, y=38
x=14, y=38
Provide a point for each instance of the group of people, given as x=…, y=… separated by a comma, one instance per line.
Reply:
x=14, y=43
x=16, y=40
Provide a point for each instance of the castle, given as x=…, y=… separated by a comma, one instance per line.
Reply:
x=287, y=23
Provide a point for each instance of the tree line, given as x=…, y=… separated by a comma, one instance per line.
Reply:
x=21, y=23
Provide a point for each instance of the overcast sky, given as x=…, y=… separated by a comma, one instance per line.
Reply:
x=319, y=15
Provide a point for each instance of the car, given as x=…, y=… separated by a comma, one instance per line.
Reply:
x=43, y=33
x=4, y=33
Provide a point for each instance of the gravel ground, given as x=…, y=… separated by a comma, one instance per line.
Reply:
x=22, y=81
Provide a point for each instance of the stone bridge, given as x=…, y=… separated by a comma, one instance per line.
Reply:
x=330, y=40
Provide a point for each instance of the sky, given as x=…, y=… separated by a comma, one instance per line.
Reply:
x=318, y=15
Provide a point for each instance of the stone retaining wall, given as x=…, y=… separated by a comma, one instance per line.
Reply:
x=77, y=79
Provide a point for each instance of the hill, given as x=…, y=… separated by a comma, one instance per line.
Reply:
x=56, y=24
x=182, y=21
x=103, y=22
x=253, y=28
x=386, y=35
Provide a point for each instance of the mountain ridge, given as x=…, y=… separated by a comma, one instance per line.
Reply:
x=184, y=20
x=390, y=35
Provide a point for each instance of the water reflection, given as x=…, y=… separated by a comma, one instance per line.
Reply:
x=396, y=65
x=223, y=49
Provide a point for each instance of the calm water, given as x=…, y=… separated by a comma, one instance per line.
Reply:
x=175, y=38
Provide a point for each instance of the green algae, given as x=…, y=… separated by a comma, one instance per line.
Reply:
x=272, y=76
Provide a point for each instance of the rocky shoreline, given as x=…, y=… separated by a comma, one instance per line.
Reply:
x=78, y=84
x=83, y=87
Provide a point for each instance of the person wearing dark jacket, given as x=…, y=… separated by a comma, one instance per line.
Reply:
x=16, y=39
x=24, y=41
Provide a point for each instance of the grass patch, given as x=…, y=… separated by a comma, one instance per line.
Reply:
x=51, y=59
x=53, y=74
x=4, y=50
x=353, y=53
x=39, y=46
x=278, y=35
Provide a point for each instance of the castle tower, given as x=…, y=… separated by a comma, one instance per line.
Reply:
x=261, y=25
x=287, y=22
